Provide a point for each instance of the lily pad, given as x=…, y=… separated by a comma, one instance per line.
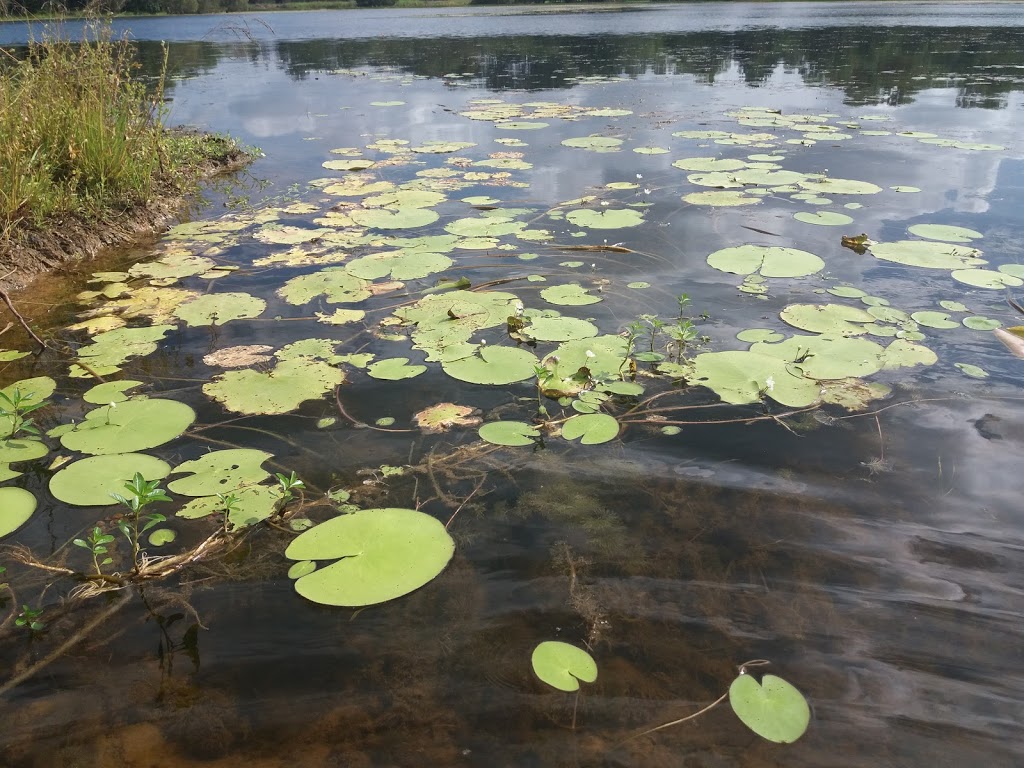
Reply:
x=512, y=433
x=15, y=449
x=335, y=284
x=444, y=416
x=931, y=319
x=279, y=390
x=608, y=218
x=16, y=507
x=769, y=261
x=973, y=371
x=135, y=425
x=560, y=329
x=720, y=199
x=594, y=143
x=395, y=369
x=380, y=554
x=400, y=265
x=773, y=709
x=926, y=253
x=591, y=428
x=220, y=308
x=89, y=482
x=981, y=323
x=746, y=377
x=823, y=218
x=840, y=187
x=563, y=666
x=110, y=392
x=945, y=232
x=162, y=536
x=493, y=365
x=986, y=278
x=571, y=295
x=220, y=472
x=252, y=505
x=831, y=319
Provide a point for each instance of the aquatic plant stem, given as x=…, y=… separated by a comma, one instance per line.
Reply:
x=344, y=413
x=681, y=720
x=22, y=320
x=66, y=646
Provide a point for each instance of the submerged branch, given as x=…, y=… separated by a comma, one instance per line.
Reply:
x=66, y=646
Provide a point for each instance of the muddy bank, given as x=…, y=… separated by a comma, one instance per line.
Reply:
x=30, y=251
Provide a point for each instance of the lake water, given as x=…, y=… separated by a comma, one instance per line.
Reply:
x=871, y=554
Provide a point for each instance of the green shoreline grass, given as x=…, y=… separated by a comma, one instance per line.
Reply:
x=81, y=135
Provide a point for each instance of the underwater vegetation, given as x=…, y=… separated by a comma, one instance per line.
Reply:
x=373, y=274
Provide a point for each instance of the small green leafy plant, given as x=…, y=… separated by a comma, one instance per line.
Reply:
x=96, y=542
x=141, y=493
x=29, y=617
x=288, y=484
x=16, y=407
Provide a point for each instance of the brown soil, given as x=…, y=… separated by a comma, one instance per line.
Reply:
x=31, y=251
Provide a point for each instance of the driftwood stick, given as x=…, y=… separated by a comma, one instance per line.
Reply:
x=22, y=320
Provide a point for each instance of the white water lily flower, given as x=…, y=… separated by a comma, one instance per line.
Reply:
x=769, y=384
x=590, y=354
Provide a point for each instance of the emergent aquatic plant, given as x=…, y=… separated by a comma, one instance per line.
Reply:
x=96, y=542
x=141, y=493
x=15, y=407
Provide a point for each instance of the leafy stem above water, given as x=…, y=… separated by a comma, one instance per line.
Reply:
x=141, y=493
x=16, y=407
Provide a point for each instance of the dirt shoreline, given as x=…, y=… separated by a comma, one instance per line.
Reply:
x=32, y=252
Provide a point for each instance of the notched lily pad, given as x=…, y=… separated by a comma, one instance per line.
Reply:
x=279, y=390
x=379, y=554
x=511, y=433
x=563, y=666
x=444, y=416
x=220, y=472
x=135, y=425
x=16, y=507
x=591, y=428
x=89, y=482
x=773, y=709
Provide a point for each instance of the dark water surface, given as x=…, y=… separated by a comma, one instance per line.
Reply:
x=875, y=560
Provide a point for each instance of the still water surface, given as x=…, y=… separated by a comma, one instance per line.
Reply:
x=874, y=560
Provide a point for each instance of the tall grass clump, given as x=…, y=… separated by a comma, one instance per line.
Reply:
x=79, y=133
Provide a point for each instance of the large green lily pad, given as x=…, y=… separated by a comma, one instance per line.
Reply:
x=773, y=709
x=769, y=261
x=401, y=265
x=591, y=428
x=571, y=295
x=110, y=392
x=827, y=357
x=493, y=365
x=253, y=504
x=220, y=472
x=830, y=319
x=563, y=666
x=335, y=284
x=279, y=390
x=927, y=253
x=135, y=425
x=945, y=232
x=220, y=308
x=395, y=369
x=89, y=482
x=380, y=554
x=560, y=329
x=511, y=433
x=14, y=449
x=16, y=507
x=745, y=377
x=608, y=218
